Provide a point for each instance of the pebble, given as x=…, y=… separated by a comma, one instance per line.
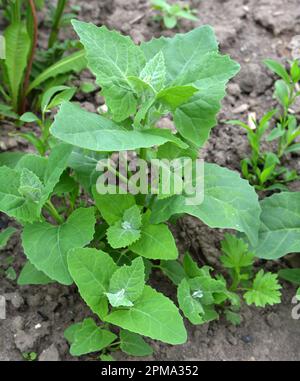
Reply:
x=240, y=109
x=273, y=320
x=247, y=339
x=15, y=298
x=24, y=341
x=49, y=354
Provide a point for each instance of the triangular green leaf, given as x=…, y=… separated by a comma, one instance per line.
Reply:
x=5, y=236
x=31, y=275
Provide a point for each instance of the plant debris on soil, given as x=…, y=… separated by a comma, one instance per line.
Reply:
x=250, y=31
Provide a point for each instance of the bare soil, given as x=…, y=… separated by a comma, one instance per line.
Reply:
x=250, y=31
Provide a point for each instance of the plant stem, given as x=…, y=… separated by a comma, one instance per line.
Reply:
x=16, y=12
x=56, y=21
x=53, y=212
x=31, y=56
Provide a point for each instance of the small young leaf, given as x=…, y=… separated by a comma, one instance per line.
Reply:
x=5, y=236
x=29, y=117
x=90, y=338
x=233, y=317
x=92, y=270
x=126, y=231
x=278, y=69
x=127, y=284
x=236, y=253
x=134, y=344
x=30, y=186
x=265, y=290
x=154, y=72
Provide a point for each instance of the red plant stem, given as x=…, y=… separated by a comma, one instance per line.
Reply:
x=31, y=55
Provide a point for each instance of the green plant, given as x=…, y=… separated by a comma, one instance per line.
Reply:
x=264, y=169
x=25, y=67
x=109, y=243
x=5, y=236
x=29, y=356
x=170, y=14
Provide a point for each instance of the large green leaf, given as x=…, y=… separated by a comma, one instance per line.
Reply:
x=46, y=245
x=17, y=42
x=127, y=284
x=279, y=233
x=112, y=58
x=74, y=62
x=90, y=338
x=152, y=315
x=83, y=129
x=91, y=270
x=156, y=242
x=229, y=202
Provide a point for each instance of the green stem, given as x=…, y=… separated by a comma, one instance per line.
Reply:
x=53, y=212
x=56, y=22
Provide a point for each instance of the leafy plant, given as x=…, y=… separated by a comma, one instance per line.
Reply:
x=110, y=249
x=170, y=14
x=25, y=67
x=264, y=169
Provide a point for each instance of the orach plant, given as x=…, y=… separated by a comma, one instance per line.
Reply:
x=108, y=244
x=264, y=170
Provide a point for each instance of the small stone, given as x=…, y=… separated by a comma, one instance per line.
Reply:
x=231, y=339
x=33, y=300
x=16, y=299
x=17, y=323
x=24, y=341
x=247, y=339
x=234, y=89
x=49, y=354
x=88, y=106
x=295, y=47
x=240, y=109
x=273, y=320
